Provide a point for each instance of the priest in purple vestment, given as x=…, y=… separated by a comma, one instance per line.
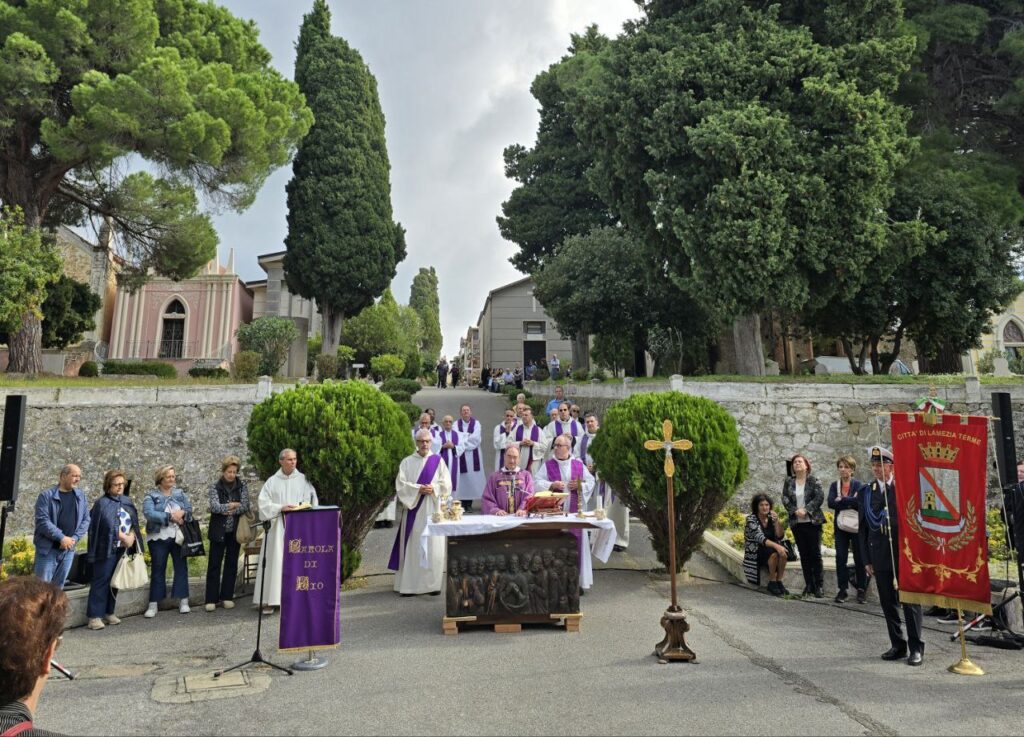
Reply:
x=508, y=489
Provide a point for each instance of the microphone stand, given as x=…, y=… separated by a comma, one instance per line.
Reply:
x=257, y=656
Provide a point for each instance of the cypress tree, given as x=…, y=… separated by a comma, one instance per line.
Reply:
x=343, y=245
x=423, y=298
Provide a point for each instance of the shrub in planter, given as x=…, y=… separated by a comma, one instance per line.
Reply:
x=706, y=476
x=350, y=439
x=387, y=366
x=89, y=368
x=246, y=365
x=141, y=368
x=406, y=385
x=581, y=375
x=326, y=367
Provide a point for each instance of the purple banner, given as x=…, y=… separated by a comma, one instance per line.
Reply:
x=311, y=580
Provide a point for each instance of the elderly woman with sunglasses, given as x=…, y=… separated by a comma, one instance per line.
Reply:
x=113, y=530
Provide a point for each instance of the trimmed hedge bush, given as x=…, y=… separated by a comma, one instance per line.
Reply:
x=706, y=476
x=412, y=411
x=406, y=385
x=581, y=374
x=326, y=367
x=246, y=366
x=141, y=368
x=541, y=374
x=387, y=366
x=208, y=372
x=350, y=439
x=399, y=396
x=89, y=368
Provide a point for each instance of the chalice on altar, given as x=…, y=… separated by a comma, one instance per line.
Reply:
x=456, y=510
x=442, y=511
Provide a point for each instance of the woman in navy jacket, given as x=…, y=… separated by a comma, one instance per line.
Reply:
x=846, y=494
x=113, y=530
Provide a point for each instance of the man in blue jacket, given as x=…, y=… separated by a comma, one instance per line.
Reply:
x=62, y=519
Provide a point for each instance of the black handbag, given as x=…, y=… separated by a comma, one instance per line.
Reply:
x=193, y=542
x=790, y=549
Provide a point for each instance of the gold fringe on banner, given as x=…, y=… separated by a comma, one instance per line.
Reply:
x=947, y=602
x=308, y=648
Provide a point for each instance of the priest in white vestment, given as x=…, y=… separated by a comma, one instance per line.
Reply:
x=453, y=446
x=561, y=425
x=604, y=496
x=501, y=431
x=531, y=441
x=421, y=482
x=471, y=465
x=389, y=512
x=281, y=493
x=567, y=474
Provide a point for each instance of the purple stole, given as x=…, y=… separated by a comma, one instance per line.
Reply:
x=601, y=486
x=501, y=452
x=574, y=429
x=576, y=467
x=463, y=468
x=534, y=436
x=429, y=469
x=448, y=455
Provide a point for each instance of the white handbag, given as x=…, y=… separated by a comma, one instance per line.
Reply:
x=848, y=520
x=130, y=572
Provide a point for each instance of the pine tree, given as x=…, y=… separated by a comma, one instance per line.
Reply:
x=424, y=299
x=343, y=245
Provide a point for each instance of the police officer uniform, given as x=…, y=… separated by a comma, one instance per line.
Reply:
x=879, y=532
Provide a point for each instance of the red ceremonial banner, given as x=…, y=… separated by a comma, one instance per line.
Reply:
x=940, y=499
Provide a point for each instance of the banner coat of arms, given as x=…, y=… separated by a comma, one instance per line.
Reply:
x=940, y=499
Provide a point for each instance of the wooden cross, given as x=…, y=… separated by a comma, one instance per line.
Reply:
x=673, y=621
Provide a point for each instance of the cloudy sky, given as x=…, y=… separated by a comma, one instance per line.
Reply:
x=454, y=79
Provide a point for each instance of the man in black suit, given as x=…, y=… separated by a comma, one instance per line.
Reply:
x=879, y=533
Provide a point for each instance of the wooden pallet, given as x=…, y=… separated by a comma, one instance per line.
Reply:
x=450, y=625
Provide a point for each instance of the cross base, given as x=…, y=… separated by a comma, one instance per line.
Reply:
x=674, y=646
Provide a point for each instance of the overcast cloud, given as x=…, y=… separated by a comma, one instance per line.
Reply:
x=454, y=81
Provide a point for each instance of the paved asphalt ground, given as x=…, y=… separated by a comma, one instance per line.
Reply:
x=767, y=666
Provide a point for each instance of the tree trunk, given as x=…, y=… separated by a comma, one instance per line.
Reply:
x=749, y=349
x=581, y=352
x=331, y=327
x=26, y=347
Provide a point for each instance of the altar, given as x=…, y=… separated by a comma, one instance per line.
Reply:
x=507, y=571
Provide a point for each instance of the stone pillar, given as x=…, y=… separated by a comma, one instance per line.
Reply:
x=263, y=388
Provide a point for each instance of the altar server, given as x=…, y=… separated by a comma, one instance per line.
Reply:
x=531, y=441
x=422, y=480
x=280, y=494
x=506, y=427
x=617, y=512
x=508, y=488
x=471, y=464
x=567, y=474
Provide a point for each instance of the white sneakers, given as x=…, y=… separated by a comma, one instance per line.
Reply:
x=111, y=619
x=210, y=607
x=183, y=606
x=96, y=624
x=228, y=604
x=151, y=611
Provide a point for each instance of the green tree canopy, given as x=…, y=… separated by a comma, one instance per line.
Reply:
x=271, y=337
x=375, y=330
x=342, y=243
x=553, y=199
x=68, y=311
x=758, y=158
x=350, y=439
x=423, y=297
x=88, y=87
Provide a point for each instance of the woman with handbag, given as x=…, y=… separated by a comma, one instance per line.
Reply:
x=844, y=498
x=166, y=509
x=113, y=530
x=229, y=500
x=803, y=497
x=764, y=545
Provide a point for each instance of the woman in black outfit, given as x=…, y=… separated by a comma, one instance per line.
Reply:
x=845, y=494
x=229, y=499
x=762, y=545
x=803, y=497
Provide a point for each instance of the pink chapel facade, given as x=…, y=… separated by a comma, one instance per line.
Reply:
x=184, y=323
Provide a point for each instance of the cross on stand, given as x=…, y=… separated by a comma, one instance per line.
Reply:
x=674, y=646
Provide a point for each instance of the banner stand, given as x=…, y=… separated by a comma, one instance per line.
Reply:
x=316, y=663
x=964, y=666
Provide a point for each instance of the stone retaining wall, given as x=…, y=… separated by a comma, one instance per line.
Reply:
x=822, y=421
